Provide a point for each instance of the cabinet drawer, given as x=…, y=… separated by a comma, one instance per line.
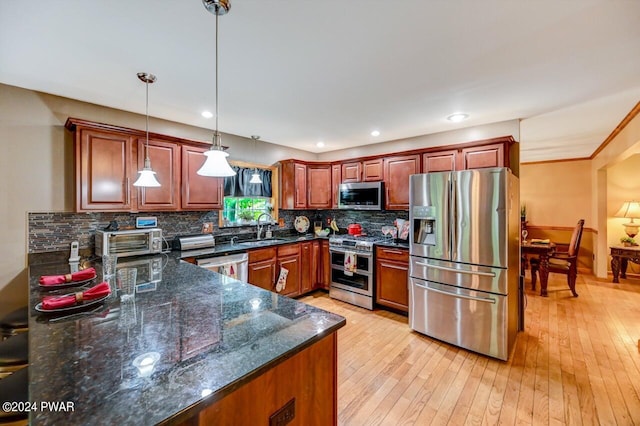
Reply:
x=288, y=250
x=392, y=253
x=262, y=254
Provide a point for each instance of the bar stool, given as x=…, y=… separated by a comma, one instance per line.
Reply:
x=15, y=388
x=14, y=322
x=14, y=354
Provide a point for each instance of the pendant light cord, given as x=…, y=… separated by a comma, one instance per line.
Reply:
x=146, y=148
x=217, y=135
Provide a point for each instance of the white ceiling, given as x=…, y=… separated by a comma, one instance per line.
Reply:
x=297, y=72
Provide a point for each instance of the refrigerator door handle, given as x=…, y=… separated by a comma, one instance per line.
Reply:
x=453, y=216
x=461, y=296
x=459, y=271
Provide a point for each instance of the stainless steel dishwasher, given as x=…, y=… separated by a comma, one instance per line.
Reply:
x=233, y=265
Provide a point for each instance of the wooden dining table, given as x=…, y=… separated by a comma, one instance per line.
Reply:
x=542, y=251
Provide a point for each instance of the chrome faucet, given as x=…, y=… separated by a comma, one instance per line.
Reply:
x=259, y=227
x=234, y=240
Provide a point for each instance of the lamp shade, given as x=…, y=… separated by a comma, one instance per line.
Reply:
x=629, y=209
x=216, y=164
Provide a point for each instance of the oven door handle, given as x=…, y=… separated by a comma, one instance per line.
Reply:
x=459, y=271
x=365, y=254
x=461, y=296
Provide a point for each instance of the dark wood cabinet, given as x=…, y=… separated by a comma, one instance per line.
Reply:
x=482, y=156
x=198, y=192
x=309, y=257
x=291, y=264
x=165, y=161
x=107, y=159
x=439, y=161
x=392, y=275
x=262, y=268
x=351, y=172
x=293, y=185
x=324, y=266
x=319, y=186
x=397, y=171
x=469, y=157
x=300, y=200
x=336, y=180
x=289, y=258
x=305, y=186
x=104, y=171
x=372, y=170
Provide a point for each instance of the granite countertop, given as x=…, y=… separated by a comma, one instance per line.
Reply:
x=210, y=333
x=227, y=248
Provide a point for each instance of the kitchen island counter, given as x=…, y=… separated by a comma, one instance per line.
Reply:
x=212, y=336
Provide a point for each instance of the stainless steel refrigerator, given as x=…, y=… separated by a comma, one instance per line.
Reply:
x=465, y=258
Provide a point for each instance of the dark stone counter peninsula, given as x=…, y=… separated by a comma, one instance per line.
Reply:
x=190, y=347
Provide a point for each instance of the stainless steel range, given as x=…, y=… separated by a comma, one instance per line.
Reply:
x=352, y=269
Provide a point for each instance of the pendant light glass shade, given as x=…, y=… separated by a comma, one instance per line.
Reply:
x=255, y=177
x=146, y=176
x=216, y=164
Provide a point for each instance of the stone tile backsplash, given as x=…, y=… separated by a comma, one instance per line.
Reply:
x=55, y=231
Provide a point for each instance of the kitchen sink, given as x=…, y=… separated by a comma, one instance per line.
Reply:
x=261, y=243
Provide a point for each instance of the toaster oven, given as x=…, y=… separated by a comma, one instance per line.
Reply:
x=134, y=242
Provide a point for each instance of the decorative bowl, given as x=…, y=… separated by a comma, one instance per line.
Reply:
x=322, y=233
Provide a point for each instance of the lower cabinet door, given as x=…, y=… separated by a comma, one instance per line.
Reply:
x=292, y=283
x=262, y=274
x=392, y=284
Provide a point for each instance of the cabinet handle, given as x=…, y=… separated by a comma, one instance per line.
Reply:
x=392, y=251
x=128, y=191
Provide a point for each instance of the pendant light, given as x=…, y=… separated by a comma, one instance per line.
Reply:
x=255, y=178
x=146, y=176
x=216, y=163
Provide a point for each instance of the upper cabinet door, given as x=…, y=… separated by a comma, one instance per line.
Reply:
x=319, y=187
x=103, y=171
x=372, y=170
x=439, y=161
x=351, y=172
x=198, y=192
x=300, y=179
x=482, y=156
x=397, y=171
x=165, y=161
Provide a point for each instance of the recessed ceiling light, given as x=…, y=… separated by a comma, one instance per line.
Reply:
x=375, y=133
x=207, y=114
x=320, y=144
x=458, y=117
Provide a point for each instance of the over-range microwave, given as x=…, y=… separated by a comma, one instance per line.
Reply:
x=361, y=196
x=134, y=242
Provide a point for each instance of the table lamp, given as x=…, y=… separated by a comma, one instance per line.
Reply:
x=631, y=210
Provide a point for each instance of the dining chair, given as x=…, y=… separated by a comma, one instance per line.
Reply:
x=563, y=262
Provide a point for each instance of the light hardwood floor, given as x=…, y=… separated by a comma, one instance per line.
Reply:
x=577, y=362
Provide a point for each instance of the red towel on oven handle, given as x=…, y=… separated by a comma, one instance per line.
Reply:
x=57, y=302
x=85, y=274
